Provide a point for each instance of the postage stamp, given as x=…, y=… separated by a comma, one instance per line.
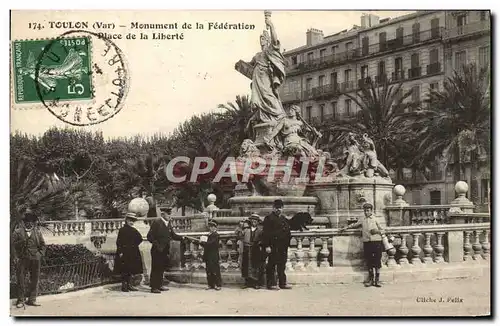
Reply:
x=62, y=74
x=80, y=77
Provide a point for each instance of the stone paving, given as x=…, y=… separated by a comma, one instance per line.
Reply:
x=453, y=297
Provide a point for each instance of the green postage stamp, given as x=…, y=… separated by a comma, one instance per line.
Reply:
x=60, y=67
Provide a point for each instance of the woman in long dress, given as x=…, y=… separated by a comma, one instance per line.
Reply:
x=268, y=74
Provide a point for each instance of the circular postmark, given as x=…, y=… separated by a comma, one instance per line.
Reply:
x=82, y=78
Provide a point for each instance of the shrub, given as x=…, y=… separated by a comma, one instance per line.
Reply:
x=67, y=254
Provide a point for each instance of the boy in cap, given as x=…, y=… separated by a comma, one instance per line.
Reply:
x=372, y=243
x=252, y=256
x=128, y=255
x=29, y=248
x=211, y=256
x=276, y=239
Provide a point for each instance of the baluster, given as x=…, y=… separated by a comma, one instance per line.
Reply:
x=439, y=248
x=467, y=246
x=486, y=245
x=477, y=246
x=289, y=257
x=413, y=217
x=57, y=229
x=403, y=249
x=427, y=249
x=391, y=261
x=224, y=253
x=415, y=250
x=299, y=254
x=233, y=254
x=313, y=255
x=188, y=246
x=324, y=253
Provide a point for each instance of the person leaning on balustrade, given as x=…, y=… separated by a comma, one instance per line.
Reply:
x=372, y=243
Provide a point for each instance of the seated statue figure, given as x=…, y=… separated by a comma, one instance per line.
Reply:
x=353, y=164
x=288, y=128
x=371, y=163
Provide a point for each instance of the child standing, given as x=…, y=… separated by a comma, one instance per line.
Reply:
x=372, y=243
x=211, y=256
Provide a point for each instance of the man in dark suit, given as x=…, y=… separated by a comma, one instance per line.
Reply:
x=160, y=234
x=211, y=256
x=276, y=239
x=29, y=248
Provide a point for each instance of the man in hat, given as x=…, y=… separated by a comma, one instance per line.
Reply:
x=160, y=234
x=128, y=255
x=372, y=243
x=252, y=255
x=276, y=239
x=211, y=256
x=29, y=248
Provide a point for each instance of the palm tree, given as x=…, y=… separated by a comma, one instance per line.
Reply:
x=386, y=119
x=459, y=125
x=235, y=121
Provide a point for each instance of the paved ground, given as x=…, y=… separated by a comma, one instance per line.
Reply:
x=472, y=296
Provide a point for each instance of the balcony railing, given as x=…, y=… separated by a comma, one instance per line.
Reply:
x=398, y=76
x=347, y=86
x=323, y=62
x=400, y=42
x=434, y=68
x=459, y=31
x=291, y=97
x=414, y=72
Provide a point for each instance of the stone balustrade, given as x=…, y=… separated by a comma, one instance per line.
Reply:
x=428, y=215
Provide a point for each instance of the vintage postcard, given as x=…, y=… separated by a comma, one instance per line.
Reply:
x=250, y=163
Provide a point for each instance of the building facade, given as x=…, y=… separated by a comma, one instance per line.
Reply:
x=420, y=49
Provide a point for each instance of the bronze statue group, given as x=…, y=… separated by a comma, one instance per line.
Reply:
x=264, y=251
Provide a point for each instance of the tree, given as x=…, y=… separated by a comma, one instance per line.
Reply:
x=385, y=117
x=459, y=123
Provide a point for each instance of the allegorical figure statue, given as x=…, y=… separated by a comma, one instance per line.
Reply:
x=354, y=157
x=289, y=128
x=267, y=70
x=371, y=162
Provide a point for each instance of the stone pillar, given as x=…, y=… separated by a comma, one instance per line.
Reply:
x=395, y=217
x=461, y=204
x=211, y=209
x=455, y=245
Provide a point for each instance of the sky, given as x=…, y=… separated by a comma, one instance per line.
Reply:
x=172, y=80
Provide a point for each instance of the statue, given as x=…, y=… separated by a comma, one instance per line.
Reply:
x=289, y=127
x=354, y=157
x=370, y=162
x=267, y=71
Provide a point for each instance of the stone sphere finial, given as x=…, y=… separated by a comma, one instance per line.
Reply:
x=211, y=198
x=399, y=190
x=461, y=188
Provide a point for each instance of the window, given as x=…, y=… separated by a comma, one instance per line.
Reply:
x=434, y=55
x=308, y=86
x=308, y=113
x=399, y=35
x=347, y=75
x=483, y=15
x=434, y=86
x=334, y=52
x=322, y=54
x=365, y=45
x=382, y=39
x=461, y=20
x=416, y=32
x=485, y=193
x=484, y=56
x=321, y=112
x=415, y=94
x=348, y=107
x=398, y=68
x=321, y=80
x=434, y=67
x=294, y=60
x=414, y=60
x=381, y=71
x=333, y=79
x=435, y=28
x=310, y=57
x=348, y=46
x=460, y=61
x=435, y=197
x=364, y=72
x=334, y=109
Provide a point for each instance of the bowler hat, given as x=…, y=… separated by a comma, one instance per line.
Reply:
x=168, y=209
x=212, y=223
x=131, y=215
x=278, y=203
x=254, y=216
x=29, y=216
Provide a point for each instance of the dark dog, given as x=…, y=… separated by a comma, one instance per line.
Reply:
x=299, y=221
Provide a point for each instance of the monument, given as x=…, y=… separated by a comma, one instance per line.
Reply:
x=296, y=171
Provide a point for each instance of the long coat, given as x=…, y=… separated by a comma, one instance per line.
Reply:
x=127, y=243
x=211, y=248
x=276, y=230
